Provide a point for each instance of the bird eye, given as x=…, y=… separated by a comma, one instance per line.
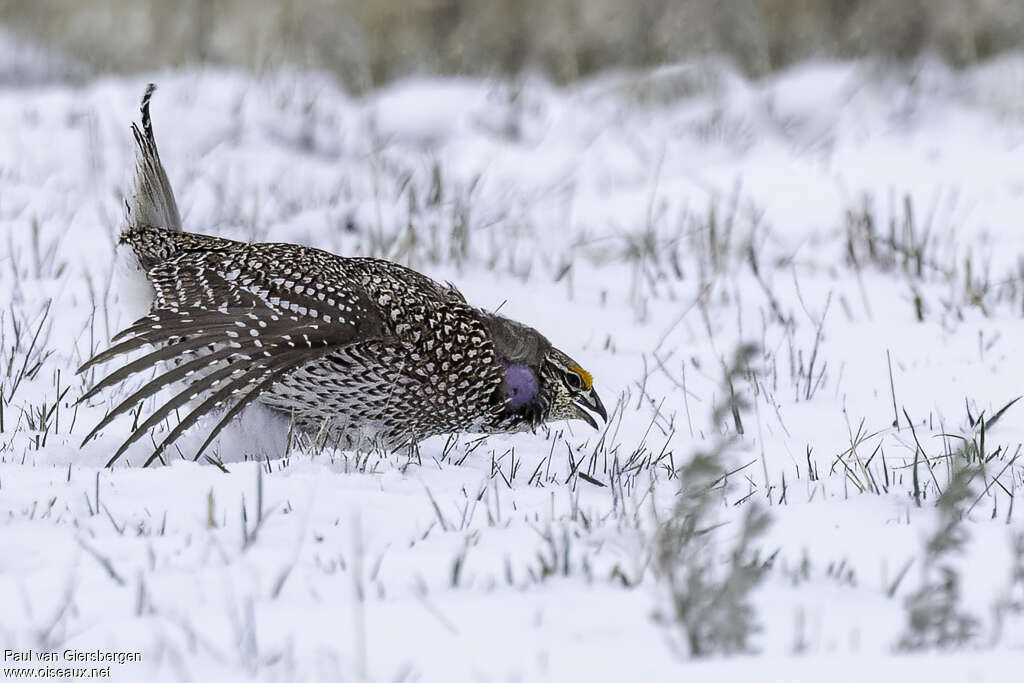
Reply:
x=574, y=381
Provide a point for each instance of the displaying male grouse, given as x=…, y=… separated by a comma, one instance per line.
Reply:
x=362, y=350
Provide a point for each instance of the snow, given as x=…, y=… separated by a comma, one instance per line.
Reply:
x=588, y=213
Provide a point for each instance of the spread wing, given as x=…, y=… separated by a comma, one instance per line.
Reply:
x=229, y=331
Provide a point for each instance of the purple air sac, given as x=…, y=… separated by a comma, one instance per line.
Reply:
x=521, y=384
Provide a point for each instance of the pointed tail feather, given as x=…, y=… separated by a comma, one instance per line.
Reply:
x=152, y=204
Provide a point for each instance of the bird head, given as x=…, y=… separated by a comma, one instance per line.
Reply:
x=569, y=390
x=541, y=383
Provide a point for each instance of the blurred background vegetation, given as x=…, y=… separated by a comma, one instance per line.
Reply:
x=367, y=43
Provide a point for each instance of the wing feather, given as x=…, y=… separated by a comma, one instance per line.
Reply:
x=157, y=384
x=257, y=330
x=251, y=385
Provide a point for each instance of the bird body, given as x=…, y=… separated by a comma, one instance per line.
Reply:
x=361, y=351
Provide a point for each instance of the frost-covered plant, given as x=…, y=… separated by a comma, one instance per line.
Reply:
x=708, y=569
x=936, y=617
x=1010, y=605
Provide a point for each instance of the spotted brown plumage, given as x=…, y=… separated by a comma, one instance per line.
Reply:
x=364, y=351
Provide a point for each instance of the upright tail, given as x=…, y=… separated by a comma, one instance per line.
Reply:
x=152, y=204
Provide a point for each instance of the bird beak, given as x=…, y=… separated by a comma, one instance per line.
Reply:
x=590, y=403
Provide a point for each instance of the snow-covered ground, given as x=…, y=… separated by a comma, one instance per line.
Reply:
x=862, y=227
